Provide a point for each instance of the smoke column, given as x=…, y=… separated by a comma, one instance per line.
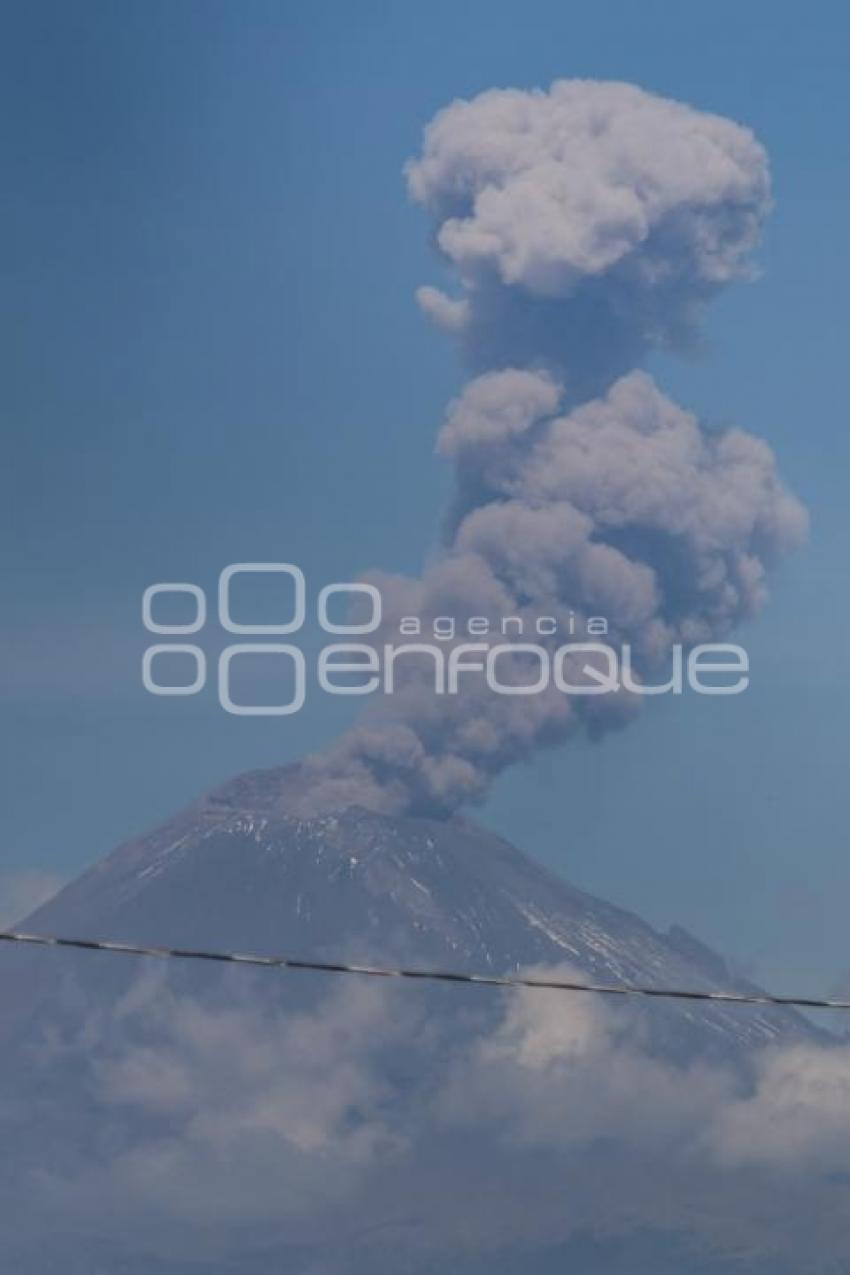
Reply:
x=583, y=226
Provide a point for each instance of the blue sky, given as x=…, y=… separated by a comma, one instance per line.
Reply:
x=212, y=353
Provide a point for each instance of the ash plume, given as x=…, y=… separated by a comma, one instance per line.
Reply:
x=585, y=225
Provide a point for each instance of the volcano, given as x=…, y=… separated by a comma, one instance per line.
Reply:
x=236, y=871
x=151, y=1109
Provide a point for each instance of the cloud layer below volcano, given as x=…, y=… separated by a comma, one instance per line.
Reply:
x=362, y=1128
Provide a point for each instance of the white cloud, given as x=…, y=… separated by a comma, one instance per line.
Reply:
x=563, y=1073
x=797, y=1116
x=222, y=1128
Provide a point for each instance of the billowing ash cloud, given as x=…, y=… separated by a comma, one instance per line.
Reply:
x=584, y=224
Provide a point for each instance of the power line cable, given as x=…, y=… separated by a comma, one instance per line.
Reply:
x=424, y=975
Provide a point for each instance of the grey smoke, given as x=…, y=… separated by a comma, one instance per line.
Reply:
x=585, y=225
